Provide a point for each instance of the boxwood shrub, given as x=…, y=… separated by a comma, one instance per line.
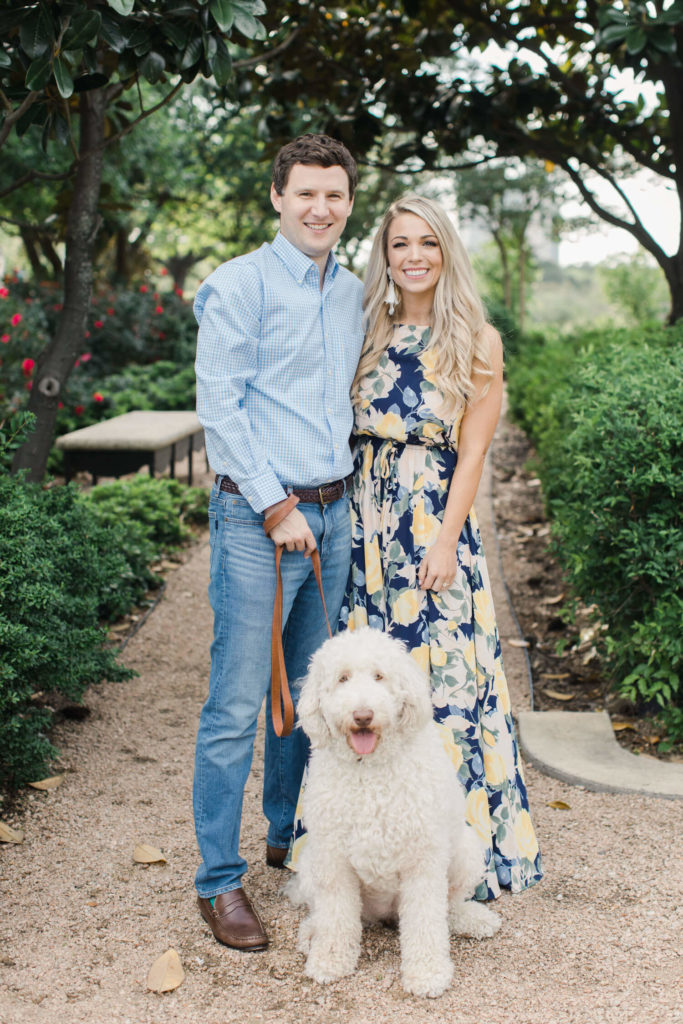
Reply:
x=68, y=563
x=606, y=415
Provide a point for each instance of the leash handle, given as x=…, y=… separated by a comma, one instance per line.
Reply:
x=281, y=704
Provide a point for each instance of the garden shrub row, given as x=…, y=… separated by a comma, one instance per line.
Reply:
x=70, y=562
x=605, y=413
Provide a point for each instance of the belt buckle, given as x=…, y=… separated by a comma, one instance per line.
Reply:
x=320, y=495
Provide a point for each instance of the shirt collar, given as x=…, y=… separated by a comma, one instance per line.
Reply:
x=298, y=263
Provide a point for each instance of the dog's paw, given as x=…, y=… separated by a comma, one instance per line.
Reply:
x=429, y=980
x=331, y=965
x=473, y=919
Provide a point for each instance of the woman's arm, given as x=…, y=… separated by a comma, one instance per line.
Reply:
x=439, y=565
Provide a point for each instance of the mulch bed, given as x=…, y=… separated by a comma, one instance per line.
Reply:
x=565, y=667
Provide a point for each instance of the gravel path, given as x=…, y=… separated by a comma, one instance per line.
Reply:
x=597, y=941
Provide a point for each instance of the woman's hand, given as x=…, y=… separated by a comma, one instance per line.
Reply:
x=438, y=567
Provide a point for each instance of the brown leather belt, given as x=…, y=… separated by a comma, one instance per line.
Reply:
x=323, y=495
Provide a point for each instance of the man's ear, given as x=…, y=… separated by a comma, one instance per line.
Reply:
x=276, y=199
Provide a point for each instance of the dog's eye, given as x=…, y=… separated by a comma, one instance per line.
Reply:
x=342, y=677
x=379, y=675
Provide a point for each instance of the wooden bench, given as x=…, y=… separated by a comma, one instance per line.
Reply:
x=125, y=443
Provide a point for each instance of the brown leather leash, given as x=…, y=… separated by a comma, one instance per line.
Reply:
x=281, y=704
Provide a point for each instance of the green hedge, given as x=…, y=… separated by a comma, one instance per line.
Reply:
x=68, y=563
x=605, y=412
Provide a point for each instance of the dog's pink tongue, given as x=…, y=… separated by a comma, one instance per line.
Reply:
x=364, y=742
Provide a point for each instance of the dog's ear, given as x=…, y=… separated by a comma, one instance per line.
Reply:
x=308, y=709
x=415, y=694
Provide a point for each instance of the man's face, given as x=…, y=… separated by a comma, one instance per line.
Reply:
x=314, y=208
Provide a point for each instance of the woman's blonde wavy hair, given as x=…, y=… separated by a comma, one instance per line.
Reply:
x=458, y=317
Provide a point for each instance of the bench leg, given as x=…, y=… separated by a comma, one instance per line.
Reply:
x=189, y=465
x=173, y=462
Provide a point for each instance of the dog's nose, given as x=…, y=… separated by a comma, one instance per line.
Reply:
x=362, y=717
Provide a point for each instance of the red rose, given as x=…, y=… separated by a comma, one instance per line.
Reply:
x=79, y=409
x=144, y=289
x=158, y=309
x=164, y=271
x=4, y=292
x=98, y=323
x=4, y=338
x=27, y=367
x=98, y=397
x=86, y=357
x=16, y=319
x=110, y=311
x=179, y=291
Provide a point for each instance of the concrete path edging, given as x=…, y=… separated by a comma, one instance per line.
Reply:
x=579, y=747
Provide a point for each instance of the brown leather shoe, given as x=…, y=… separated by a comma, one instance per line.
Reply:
x=275, y=856
x=233, y=921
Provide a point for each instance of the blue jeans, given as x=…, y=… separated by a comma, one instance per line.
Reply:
x=242, y=592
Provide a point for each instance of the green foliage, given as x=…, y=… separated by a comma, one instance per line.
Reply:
x=605, y=413
x=55, y=562
x=637, y=289
x=13, y=432
x=67, y=563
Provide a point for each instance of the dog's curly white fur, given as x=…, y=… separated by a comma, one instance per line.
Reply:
x=385, y=815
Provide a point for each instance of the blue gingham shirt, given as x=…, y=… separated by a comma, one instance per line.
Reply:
x=276, y=356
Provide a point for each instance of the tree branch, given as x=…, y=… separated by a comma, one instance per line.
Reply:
x=14, y=116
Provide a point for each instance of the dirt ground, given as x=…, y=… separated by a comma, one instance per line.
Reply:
x=598, y=940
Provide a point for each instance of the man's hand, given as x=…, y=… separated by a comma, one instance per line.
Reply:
x=293, y=532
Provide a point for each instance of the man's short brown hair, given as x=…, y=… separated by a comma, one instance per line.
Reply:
x=319, y=150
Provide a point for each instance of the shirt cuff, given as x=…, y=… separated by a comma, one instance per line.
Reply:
x=262, y=491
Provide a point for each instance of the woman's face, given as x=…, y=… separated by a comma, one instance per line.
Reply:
x=414, y=256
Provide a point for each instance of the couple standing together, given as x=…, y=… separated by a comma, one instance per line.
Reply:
x=294, y=355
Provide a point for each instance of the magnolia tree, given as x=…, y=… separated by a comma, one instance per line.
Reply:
x=73, y=70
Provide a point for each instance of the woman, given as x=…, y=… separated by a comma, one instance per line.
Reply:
x=427, y=397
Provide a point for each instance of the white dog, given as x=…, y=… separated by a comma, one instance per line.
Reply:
x=385, y=815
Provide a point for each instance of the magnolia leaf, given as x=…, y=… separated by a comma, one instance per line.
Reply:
x=223, y=14
x=556, y=695
x=51, y=783
x=146, y=854
x=518, y=643
x=10, y=835
x=166, y=973
x=248, y=25
x=122, y=6
x=559, y=805
x=65, y=83
x=621, y=726
x=38, y=74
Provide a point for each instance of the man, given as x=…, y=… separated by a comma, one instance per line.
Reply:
x=279, y=340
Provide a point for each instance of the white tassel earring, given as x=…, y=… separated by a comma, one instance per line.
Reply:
x=391, y=298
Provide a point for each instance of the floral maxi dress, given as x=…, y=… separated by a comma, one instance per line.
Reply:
x=405, y=457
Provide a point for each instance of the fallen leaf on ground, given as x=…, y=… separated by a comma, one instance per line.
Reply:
x=166, y=973
x=554, y=600
x=620, y=726
x=556, y=695
x=146, y=854
x=518, y=643
x=653, y=739
x=559, y=805
x=51, y=783
x=9, y=834
x=555, y=675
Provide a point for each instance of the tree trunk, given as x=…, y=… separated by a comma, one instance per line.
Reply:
x=507, y=277
x=56, y=361
x=674, y=276
x=28, y=238
x=522, y=286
